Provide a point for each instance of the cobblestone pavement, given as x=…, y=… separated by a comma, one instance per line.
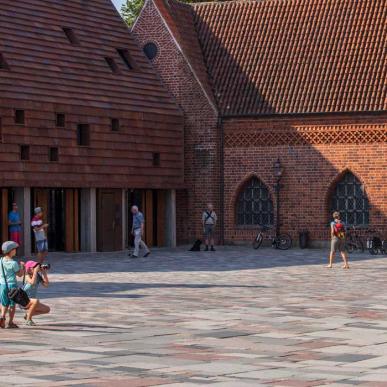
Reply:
x=236, y=317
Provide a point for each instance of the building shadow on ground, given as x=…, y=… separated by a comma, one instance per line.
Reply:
x=181, y=260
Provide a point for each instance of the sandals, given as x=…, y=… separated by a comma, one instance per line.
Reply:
x=12, y=325
x=2, y=322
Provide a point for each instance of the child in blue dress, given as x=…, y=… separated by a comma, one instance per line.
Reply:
x=9, y=269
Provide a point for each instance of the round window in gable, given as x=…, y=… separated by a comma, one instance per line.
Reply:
x=150, y=50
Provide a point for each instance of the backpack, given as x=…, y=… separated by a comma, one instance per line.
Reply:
x=208, y=216
x=339, y=230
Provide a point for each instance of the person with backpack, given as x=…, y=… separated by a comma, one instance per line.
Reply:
x=338, y=233
x=209, y=220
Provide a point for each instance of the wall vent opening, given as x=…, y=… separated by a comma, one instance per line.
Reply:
x=126, y=58
x=19, y=117
x=60, y=120
x=24, y=152
x=83, y=135
x=70, y=35
x=115, y=124
x=53, y=154
x=3, y=63
x=156, y=159
x=112, y=64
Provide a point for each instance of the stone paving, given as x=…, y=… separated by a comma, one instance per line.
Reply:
x=236, y=317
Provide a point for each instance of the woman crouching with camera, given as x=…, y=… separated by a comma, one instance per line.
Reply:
x=36, y=274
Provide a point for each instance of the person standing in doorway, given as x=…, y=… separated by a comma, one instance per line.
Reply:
x=14, y=224
x=138, y=232
x=40, y=232
x=209, y=220
x=338, y=232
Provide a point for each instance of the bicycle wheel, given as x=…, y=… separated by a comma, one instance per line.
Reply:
x=350, y=247
x=258, y=241
x=284, y=242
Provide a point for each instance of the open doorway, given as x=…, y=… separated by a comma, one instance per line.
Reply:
x=152, y=204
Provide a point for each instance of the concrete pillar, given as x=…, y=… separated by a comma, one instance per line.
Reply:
x=124, y=219
x=170, y=223
x=88, y=222
x=23, y=200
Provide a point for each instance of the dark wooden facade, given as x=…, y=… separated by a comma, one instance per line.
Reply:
x=43, y=74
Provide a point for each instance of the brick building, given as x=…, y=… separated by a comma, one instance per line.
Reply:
x=87, y=128
x=302, y=81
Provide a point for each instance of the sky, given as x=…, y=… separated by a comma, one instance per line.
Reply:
x=118, y=3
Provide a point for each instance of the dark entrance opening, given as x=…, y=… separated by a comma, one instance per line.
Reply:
x=152, y=204
x=53, y=203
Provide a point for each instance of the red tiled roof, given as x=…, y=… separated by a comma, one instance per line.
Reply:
x=45, y=67
x=180, y=20
x=293, y=56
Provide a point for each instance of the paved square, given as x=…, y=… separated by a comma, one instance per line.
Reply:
x=236, y=317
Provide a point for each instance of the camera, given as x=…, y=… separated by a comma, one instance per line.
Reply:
x=45, y=266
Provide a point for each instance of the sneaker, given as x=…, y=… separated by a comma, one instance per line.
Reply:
x=146, y=254
x=2, y=322
x=12, y=325
x=134, y=256
x=30, y=323
x=212, y=248
x=206, y=249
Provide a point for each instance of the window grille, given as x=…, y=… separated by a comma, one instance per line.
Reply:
x=350, y=199
x=254, y=204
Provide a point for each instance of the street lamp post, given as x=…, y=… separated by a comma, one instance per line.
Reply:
x=278, y=170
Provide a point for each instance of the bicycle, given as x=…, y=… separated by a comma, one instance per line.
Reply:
x=376, y=245
x=354, y=240
x=281, y=242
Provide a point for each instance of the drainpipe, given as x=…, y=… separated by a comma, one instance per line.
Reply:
x=221, y=161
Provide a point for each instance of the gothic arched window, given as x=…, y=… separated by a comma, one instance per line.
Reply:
x=254, y=205
x=350, y=199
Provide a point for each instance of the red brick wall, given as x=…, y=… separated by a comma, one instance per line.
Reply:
x=313, y=153
x=201, y=134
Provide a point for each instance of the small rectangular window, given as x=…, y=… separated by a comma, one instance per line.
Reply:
x=3, y=63
x=112, y=64
x=127, y=59
x=24, y=152
x=156, y=159
x=53, y=154
x=60, y=120
x=70, y=35
x=83, y=135
x=19, y=117
x=115, y=124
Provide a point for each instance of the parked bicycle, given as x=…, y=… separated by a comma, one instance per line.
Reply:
x=354, y=240
x=375, y=244
x=282, y=241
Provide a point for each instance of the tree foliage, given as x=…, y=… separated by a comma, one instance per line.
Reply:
x=132, y=8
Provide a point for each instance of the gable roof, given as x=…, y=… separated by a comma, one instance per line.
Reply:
x=292, y=56
x=179, y=18
x=45, y=67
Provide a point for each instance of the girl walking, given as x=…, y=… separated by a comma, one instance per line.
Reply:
x=8, y=271
x=338, y=240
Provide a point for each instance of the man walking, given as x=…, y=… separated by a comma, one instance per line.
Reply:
x=14, y=224
x=138, y=232
x=40, y=230
x=209, y=220
x=338, y=240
